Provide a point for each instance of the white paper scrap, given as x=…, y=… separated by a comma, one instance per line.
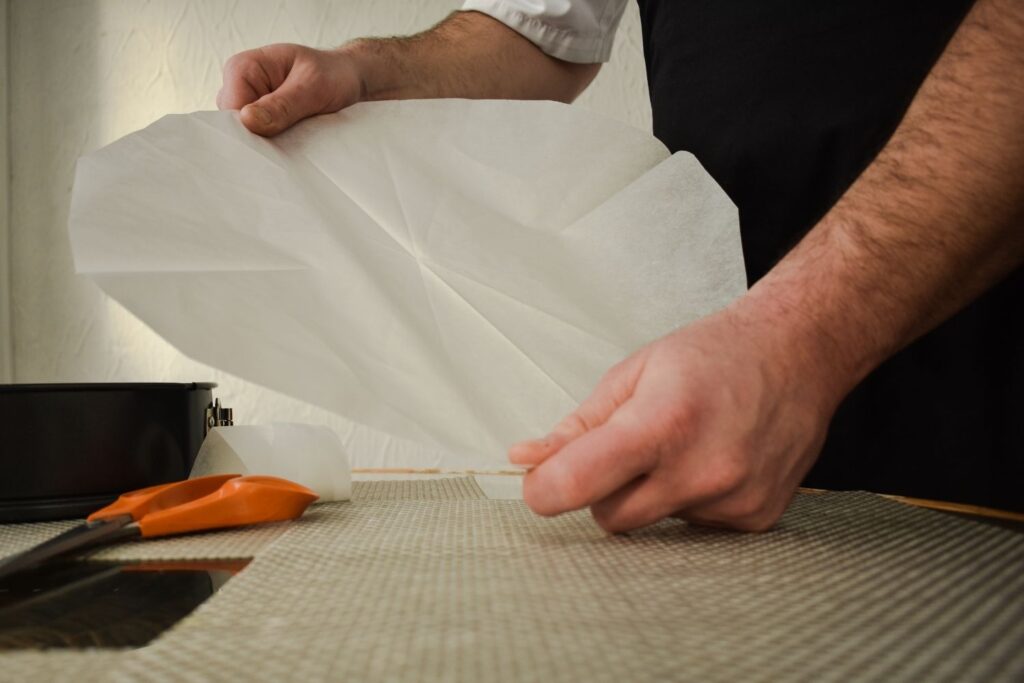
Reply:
x=310, y=455
x=452, y=272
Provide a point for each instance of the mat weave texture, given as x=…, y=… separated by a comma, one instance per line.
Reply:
x=452, y=586
x=239, y=543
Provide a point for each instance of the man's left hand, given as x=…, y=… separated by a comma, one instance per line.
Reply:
x=714, y=423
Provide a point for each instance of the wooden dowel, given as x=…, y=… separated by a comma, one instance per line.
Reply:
x=944, y=506
x=436, y=470
x=961, y=508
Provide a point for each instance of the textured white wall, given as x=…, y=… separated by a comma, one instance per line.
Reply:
x=85, y=73
x=6, y=336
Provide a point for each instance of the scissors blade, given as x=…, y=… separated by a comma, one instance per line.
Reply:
x=79, y=538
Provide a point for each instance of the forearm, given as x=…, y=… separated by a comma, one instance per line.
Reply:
x=467, y=55
x=936, y=219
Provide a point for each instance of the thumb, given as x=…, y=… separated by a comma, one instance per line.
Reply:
x=614, y=389
x=279, y=110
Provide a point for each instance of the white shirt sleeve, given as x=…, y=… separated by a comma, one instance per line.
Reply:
x=579, y=31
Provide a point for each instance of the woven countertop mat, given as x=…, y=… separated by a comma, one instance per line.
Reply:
x=238, y=543
x=446, y=586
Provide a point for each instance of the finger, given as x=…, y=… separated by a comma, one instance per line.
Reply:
x=612, y=391
x=277, y=111
x=245, y=80
x=675, y=489
x=696, y=500
x=697, y=520
x=629, y=509
x=236, y=95
x=529, y=453
x=749, y=509
x=639, y=504
x=592, y=466
x=733, y=524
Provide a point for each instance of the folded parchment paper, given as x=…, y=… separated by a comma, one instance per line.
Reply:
x=457, y=273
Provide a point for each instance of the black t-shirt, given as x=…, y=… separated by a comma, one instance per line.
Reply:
x=785, y=102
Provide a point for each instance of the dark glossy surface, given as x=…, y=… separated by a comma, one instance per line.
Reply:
x=68, y=449
x=104, y=605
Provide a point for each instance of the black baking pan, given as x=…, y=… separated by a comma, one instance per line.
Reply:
x=69, y=449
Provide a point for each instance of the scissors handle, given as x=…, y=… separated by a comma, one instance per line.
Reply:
x=214, y=502
x=138, y=504
x=239, y=501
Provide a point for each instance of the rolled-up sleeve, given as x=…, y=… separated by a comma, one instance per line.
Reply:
x=579, y=31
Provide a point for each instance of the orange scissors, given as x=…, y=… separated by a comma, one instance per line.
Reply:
x=216, y=502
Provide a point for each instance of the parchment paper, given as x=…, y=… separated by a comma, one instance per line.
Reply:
x=456, y=273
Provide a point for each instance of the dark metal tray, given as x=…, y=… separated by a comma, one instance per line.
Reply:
x=68, y=449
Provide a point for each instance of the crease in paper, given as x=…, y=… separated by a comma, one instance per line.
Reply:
x=456, y=274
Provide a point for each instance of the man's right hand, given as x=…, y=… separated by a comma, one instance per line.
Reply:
x=277, y=86
x=468, y=55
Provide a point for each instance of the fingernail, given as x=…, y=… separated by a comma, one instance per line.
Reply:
x=548, y=441
x=261, y=114
x=518, y=450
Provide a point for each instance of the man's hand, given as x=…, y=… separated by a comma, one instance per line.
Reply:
x=719, y=421
x=468, y=55
x=279, y=85
x=712, y=423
